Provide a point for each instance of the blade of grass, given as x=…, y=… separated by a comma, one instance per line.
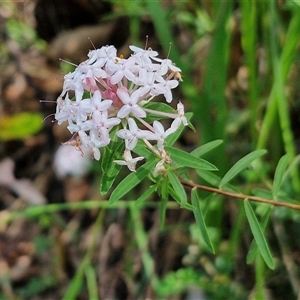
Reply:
x=77, y=282
x=91, y=279
x=212, y=109
x=249, y=37
x=142, y=243
x=37, y=211
x=284, y=64
x=282, y=104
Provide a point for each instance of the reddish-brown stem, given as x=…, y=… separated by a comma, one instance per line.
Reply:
x=239, y=195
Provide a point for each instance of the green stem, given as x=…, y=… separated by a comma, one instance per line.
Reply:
x=142, y=242
x=76, y=283
x=259, y=277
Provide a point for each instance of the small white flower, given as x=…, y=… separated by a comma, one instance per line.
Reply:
x=166, y=65
x=132, y=134
x=161, y=134
x=180, y=119
x=166, y=87
x=129, y=161
x=159, y=168
x=123, y=69
x=146, y=55
x=130, y=104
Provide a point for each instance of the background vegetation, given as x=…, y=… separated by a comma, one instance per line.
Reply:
x=240, y=65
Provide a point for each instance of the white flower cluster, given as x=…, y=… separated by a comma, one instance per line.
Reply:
x=105, y=91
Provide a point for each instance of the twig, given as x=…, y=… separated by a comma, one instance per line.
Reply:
x=240, y=196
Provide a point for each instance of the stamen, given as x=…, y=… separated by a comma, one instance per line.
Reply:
x=48, y=117
x=65, y=61
x=92, y=43
x=169, y=50
x=146, y=44
x=47, y=101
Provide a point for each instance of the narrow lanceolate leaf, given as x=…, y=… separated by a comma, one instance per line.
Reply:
x=108, y=178
x=206, y=148
x=174, y=195
x=214, y=180
x=111, y=153
x=279, y=174
x=188, y=160
x=240, y=165
x=146, y=195
x=178, y=188
x=253, y=247
x=164, y=193
x=129, y=182
x=200, y=219
x=258, y=235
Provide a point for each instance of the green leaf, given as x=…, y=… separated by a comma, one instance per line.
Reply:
x=111, y=152
x=164, y=193
x=279, y=174
x=109, y=178
x=146, y=195
x=214, y=180
x=240, y=165
x=200, y=219
x=156, y=106
x=141, y=150
x=20, y=126
x=253, y=248
x=206, y=148
x=188, y=160
x=160, y=106
x=178, y=188
x=258, y=235
x=129, y=182
x=178, y=200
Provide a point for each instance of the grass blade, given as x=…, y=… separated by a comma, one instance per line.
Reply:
x=92, y=284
